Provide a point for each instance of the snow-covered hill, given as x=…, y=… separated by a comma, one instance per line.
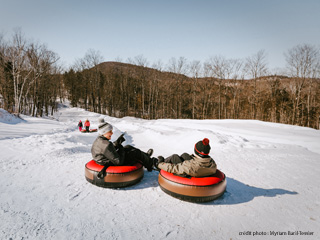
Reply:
x=273, y=173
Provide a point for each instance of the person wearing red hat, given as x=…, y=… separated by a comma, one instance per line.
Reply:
x=199, y=164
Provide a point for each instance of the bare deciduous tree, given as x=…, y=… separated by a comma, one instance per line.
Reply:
x=256, y=67
x=219, y=70
x=302, y=62
x=27, y=68
x=195, y=70
x=180, y=67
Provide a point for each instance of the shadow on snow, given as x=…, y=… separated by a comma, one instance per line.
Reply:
x=238, y=192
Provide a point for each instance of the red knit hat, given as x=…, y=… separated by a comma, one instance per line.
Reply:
x=202, y=148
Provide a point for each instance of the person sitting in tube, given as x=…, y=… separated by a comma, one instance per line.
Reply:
x=106, y=153
x=199, y=164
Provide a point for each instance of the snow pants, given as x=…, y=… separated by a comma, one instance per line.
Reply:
x=176, y=159
x=134, y=155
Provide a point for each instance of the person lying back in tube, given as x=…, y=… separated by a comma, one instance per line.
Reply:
x=199, y=164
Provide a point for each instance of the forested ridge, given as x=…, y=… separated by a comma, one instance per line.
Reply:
x=129, y=90
x=32, y=82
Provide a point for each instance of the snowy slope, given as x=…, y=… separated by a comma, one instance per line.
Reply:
x=273, y=172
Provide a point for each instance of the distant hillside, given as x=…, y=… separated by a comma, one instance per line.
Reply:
x=107, y=67
x=122, y=89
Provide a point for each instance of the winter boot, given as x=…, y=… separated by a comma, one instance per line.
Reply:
x=160, y=159
x=150, y=152
x=156, y=161
x=149, y=164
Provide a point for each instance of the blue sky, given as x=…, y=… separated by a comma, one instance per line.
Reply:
x=160, y=30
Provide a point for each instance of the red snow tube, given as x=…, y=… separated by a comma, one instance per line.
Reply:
x=116, y=177
x=194, y=189
x=91, y=130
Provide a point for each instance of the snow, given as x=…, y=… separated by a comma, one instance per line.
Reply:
x=272, y=170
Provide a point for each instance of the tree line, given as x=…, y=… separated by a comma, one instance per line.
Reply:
x=219, y=88
x=32, y=82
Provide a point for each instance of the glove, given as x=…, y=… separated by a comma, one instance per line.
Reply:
x=120, y=140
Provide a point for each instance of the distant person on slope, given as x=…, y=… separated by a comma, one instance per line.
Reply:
x=198, y=165
x=80, y=125
x=87, y=125
x=106, y=153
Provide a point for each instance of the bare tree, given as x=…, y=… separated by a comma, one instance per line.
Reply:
x=93, y=58
x=236, y=75
x=28, y=67
x=154, y=89
x=180, y=67
x=256, y=67
x=3, y=82
x=219, y=70
x=195, y=68
x=158, y=65
x=88, y=65
x=41, y=62
x=142, y=62
x=15, y=55
x=302, y=63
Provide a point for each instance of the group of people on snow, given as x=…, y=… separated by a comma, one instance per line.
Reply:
x=108, y=153
x=86, y=125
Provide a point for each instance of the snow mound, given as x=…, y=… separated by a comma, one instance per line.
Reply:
x=8, y=118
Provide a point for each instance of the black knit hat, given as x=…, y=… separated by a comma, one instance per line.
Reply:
x=202, y=148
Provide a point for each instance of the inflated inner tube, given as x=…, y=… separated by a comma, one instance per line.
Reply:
x=90, y=130
x=193, y=189
x=116, y=176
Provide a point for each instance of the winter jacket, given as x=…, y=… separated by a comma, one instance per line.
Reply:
x=80, y=124
x=104, y=152
x=87, y=124
x=196, y=167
